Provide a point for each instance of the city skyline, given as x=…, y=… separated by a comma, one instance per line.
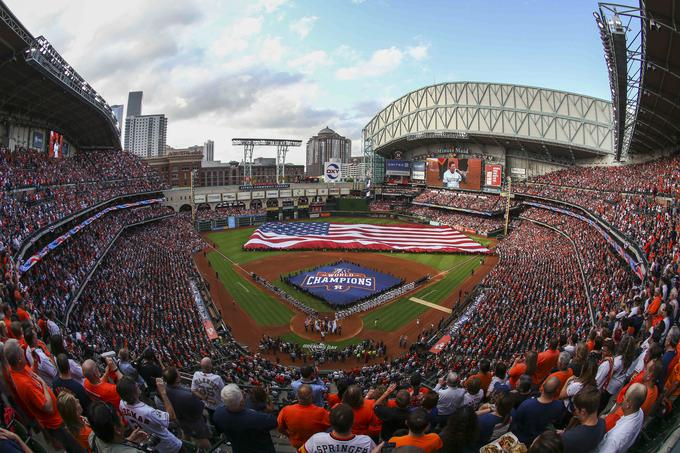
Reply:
x=286, y=69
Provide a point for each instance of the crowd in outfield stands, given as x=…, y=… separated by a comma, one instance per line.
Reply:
x=458, y=220
x=462, y=200
x=222, y=213
x=529, y=359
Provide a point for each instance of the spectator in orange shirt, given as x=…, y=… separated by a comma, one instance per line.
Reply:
x=547, y=360
x=102, y=389
x=365, y=420
x=417, y=423
x=563, y=371
x=37, y=397
x=336, y=398
x=72, y=412
x=484, y=375
x=656, y=302
x=526, y=365
x=21, y=313
x=302, y=420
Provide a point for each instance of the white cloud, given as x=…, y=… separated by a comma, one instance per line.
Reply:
x=272, y=50
x=303, y=26
x=381, y=62
x=419, y=52
x=310, y=62
x=268, y=6
x=237, y=37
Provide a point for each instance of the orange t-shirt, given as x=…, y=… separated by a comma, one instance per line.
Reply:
x=652, y=395
x=83, y=437
x=515, y=372
x=484, y=379
x=428, y=442
x=547, y=360
x=562, y=376
x=8, y=325
x=654, y=306
x=673, y=379
x=332, y=399
x=103, y=391
x=302, y=422
x=30, y=390
x=365, y=420
x=23, y=315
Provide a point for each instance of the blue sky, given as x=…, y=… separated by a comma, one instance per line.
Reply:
x=286, y=68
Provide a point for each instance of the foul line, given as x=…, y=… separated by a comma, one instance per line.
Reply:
x=430, y=304
x=241, y=285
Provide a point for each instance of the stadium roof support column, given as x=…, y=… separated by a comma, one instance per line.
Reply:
x=281, y=151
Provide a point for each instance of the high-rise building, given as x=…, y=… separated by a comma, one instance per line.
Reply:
x=355, y=169
x=209, y=151
x=134, y=105
x=146, y=135
x=118, y=113
x=327, y=145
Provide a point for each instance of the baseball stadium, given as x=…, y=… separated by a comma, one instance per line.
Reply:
x=501, y=276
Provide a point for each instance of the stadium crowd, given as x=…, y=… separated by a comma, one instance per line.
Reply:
x=560, y=365
x=458, y=220
x=37, y=190
x=462, y=200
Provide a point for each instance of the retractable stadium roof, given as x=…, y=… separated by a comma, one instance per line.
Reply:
x=39, y=88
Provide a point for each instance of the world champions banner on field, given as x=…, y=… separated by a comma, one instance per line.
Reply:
x=343, y=283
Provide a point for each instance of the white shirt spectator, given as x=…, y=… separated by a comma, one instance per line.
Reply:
x=53, y=327
x=46, y=369
x=211, y=385
x=622, y=436
x=326, y=442
x=450, y=399
x=151, y=421
x=473, y=400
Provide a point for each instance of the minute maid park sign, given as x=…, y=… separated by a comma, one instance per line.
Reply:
x=339, y=279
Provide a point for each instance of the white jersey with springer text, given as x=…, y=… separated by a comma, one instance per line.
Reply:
x=152, y=421
x=211, y=385
x=328, y=443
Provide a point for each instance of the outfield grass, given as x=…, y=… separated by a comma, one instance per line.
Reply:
x=403, y=311
x=263, y=308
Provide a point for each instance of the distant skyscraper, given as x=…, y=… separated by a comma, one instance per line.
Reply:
x=209, y=151
x=327, y=145
x=118, y=112
x=146, y=135
x=134, y=105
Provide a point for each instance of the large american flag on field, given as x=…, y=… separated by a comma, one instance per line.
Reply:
x=319, y=235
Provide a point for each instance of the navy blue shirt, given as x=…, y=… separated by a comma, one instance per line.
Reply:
x=487, y=422
x=73, y=386
x=533, y=417
x=584, y=439
x=247, y=430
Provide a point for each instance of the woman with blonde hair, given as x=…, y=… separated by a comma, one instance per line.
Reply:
x=72, y=413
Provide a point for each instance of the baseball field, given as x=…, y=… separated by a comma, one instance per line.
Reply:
x=268, y=313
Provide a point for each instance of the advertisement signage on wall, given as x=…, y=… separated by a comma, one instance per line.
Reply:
x=493, y=175
x=38, y=140
x=454, y=173
x=418, y=171
x=323, y=191
x=243, y=196
x=285, y=193
x=214, y=198
x=395, y=167
x=331, y=172
x=231, y=196
x=199, y=198
x=258, y=194
x=311, y=192
x=344, y=191
x=334, y=191
x=272, y=194
x=298, y=192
